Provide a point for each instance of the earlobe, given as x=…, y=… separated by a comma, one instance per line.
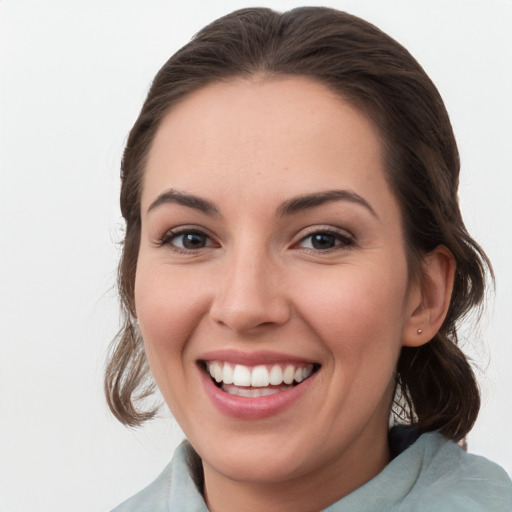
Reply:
x=430, y=300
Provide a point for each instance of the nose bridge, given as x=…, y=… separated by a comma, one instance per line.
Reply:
x=249, y=293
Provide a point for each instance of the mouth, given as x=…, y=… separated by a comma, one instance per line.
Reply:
x=258, y=380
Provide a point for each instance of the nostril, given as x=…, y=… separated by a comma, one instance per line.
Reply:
x=249, y=298
x=250, y=316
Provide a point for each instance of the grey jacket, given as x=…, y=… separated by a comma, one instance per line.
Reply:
x=432, y=475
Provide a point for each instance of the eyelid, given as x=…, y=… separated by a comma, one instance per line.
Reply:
x=169, y=235
x=347, y=239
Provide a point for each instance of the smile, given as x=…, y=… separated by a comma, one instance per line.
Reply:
x=257, y=381
x=257, y=385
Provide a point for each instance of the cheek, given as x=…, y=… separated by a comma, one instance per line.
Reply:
x=360, y=323
x=168, y=307
x=357, y=312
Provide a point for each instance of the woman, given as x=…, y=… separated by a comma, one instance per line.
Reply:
x=294, y=268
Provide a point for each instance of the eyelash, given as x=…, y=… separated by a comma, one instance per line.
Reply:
x=344, y=241
x=172, y=235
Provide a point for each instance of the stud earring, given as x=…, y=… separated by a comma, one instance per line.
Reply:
x=419, y=331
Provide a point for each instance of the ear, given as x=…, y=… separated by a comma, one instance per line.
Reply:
x=429, y=297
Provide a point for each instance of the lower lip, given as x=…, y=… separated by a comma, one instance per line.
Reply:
x=253, y=408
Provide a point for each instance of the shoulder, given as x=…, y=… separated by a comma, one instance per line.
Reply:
x=154, y=497
x=173, y=490
x=451, y=479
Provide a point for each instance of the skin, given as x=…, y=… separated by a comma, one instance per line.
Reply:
x=257, y=283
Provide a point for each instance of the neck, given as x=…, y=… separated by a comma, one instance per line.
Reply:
x=305, y=493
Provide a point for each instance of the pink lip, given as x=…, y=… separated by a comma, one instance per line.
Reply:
x=252, y=358
x=253, y=408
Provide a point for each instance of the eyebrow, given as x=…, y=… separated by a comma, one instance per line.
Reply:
x=173, y=196
x=307, y=201
x=289, y=207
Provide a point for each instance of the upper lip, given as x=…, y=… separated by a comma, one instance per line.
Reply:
x=253, y=358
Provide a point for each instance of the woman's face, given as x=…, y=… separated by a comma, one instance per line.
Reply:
x=272, y=249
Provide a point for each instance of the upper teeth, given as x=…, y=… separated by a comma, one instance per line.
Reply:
x=258, y=376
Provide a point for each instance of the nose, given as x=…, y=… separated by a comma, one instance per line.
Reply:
x=251, y=293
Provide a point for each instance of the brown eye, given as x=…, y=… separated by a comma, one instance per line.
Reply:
x=193, y=240
x=325, y=240
x=187, y=240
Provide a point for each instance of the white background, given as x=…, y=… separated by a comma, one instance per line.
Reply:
x=73, y=76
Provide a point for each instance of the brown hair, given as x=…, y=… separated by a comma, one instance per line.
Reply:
x=436, y=387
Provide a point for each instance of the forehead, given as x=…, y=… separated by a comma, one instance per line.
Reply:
x=286, y=133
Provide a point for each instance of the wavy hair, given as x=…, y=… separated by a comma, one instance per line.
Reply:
x=435, y=385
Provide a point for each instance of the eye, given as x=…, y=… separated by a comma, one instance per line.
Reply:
x=325, y=240
x=187, y=240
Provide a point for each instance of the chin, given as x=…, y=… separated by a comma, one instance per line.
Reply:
x=256, y=465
